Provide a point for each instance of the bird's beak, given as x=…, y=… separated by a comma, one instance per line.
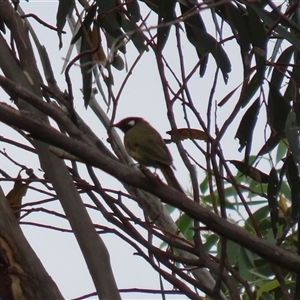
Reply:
x=118, y=125
x=113, y=125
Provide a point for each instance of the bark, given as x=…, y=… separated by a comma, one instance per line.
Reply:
x=22, y=275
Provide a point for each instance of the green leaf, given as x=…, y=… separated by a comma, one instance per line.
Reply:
x=135, y=34
x=170, y=208
x=281, y=66
x=211, y=242
x=227, y=97
x=204, y=185
x=272, y=199
x=109, y=17
x=292, y=175
x=245, y=264
x=184, y=223
x=235, y=17
x=232, y=250
x=292, y=135
x=270, y=21
x=118, y=62
x=251, y=89
x=277, y=110
x=166, y=15
x=270, y=144
x=281, y=151
x=250, y=171
x=245, y=130
x=64, y=8
x=259, y=216
x=133, y=9
x=203, y=42
x=276, y=49
x=259, y=42
x=195, y=20
x=116, y=42
x=86, y=24
x=86, y=64
x=292, y=90
x=2, y=26
x=112, y=18
x=153, y=4
x=267, y=287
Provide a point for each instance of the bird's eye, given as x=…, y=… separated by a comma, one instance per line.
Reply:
x=131, y=123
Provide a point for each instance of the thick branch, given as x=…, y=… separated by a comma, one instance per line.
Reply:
x=134, y=177
x=25, y=276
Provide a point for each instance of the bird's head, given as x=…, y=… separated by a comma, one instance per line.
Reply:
x=128, y=123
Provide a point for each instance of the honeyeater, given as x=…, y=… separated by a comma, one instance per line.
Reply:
x=144, y=144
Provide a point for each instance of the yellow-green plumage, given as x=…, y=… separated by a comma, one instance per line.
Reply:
x=147, y=147
x=144, y=144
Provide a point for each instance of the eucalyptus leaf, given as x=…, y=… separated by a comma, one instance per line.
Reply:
x=272, y=199
x=64, y=8
x=203, y=42
x=259, y=42
x=277, y=110
x=294, y=183
x=292, y=133
x=86, y=64
x=282, y=62
x=85, y=27
x=133, y=9
x=167, y=15
x=245, y=130
x=134, y=33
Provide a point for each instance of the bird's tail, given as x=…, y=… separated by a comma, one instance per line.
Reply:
x=170, y=178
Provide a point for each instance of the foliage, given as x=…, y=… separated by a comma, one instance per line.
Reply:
x=236, y=236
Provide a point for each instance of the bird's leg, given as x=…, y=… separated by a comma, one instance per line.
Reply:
x=150, y=175
x=146, y=171
x=157, y=175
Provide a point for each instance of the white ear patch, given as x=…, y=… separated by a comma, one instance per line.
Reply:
x=131, y=123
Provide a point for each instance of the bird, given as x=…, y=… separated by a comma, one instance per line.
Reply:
x=145, y=145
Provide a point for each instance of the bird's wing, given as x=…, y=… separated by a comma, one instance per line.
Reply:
x=148, y=149
x=160, y=153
